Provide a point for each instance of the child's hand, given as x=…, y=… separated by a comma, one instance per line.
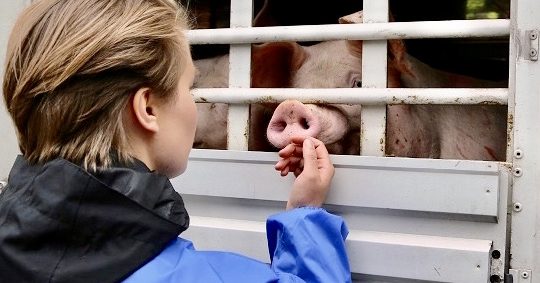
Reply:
x=308, y=159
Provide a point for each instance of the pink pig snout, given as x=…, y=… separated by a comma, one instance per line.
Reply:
x=291, y=118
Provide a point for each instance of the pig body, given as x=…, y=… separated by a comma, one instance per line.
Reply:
x=211, y=130
x=475, y=132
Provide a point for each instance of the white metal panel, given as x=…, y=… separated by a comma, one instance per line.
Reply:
x=368, y=31
x=9, y=149
x=451, y=187
x=418, y=257
x=524, y=104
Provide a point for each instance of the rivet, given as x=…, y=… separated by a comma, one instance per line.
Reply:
x=518, y=153
x=518, y=172
x=533, y=52
x=524, y=274
x=533, y=35
x=517, y=206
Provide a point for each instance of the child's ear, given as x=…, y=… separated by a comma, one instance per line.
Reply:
x=144, y=108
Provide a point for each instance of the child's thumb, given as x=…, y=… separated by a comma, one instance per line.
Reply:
x=309, y=154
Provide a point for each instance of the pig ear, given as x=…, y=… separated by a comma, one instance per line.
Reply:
x=396, y=47
x=355, y=46
x=274, y=64
x=354, y=18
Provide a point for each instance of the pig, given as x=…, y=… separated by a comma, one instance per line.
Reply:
x=430, y=131
x=272, y=66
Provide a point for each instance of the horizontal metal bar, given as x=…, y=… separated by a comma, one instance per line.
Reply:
x=364, y=96
x=366, y=31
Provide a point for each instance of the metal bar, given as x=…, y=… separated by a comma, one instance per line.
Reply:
x=374, y=74
x=364, y=96
x=239, y=77
x=366, y=31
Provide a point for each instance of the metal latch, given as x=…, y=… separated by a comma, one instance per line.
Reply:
x=533, y=46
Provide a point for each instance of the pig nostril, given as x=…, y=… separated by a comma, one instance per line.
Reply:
x=279, y=126
x=305, y=124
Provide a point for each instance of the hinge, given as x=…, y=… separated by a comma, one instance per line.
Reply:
x=496, y=267
x=519, y=276
x=532, y=45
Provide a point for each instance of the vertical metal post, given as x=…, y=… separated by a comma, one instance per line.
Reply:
x=524, y=112
x=239, y=77
x=374, y=72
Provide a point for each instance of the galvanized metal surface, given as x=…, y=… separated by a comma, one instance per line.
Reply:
x=524, y=102
x=364, y=96
x=409, y=218
x=367, y=31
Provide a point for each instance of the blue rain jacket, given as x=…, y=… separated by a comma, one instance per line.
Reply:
x=305, y=245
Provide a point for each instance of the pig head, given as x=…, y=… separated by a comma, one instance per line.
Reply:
x=271, y=68
x=319, y=66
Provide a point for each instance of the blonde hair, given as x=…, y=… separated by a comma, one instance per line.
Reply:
x=72, y=66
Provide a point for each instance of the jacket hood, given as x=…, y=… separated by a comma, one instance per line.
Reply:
x=60, y=223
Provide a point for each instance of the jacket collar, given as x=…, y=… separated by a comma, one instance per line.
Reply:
x=98, y=226
x=151, y=191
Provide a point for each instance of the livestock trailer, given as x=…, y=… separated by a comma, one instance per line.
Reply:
x=410, y=219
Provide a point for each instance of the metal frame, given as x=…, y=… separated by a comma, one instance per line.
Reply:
x=451, y=220
x=524, y=106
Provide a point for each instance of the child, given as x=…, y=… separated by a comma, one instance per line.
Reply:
x=99, y=91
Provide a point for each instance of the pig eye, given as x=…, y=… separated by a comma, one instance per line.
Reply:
x=357, y=83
